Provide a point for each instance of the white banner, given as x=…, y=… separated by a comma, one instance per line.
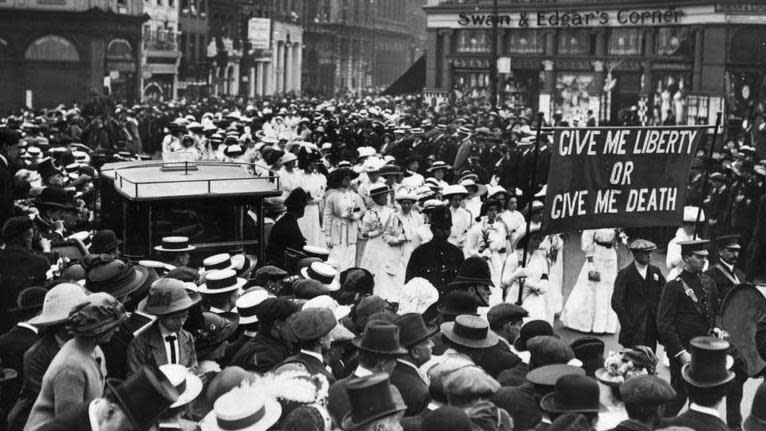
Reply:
x=259, y=33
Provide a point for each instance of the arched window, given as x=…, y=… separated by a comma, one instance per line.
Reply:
x=119, y=49
x=52, y=48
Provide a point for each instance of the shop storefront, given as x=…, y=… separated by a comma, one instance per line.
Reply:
x=641, y=63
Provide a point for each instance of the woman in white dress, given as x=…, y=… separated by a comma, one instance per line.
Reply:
x=399, y=234
x=315, y=185
x=554, y=250
x=488, y=239
x=376, y=249
x=588, y=308
x=532, y=278
x=341, y=217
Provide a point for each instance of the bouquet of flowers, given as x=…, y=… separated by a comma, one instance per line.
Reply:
x=620, y=366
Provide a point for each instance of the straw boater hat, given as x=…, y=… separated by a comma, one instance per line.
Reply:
x=247, y=304
x=378, y=189
x=174, y=244
x=229, y=413
x=188, y=385
x=321, y=272
x=454, y=190
x=438, y=165
x=221, y=281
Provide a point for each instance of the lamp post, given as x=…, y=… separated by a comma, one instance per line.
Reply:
x=493, y=61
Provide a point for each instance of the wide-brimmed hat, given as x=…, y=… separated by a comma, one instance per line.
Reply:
x=104, y=273
x=316, y=251
x=548, y=375
x=709, y=366
x=174, y=244
x=58, y=303
x=474, y=270
x=469, y=331
x=371, y=398
x=143, y=397
x=104, y=241
x=55, y=197
x=413, y=329
x=99, y=313
x=438, y=165
x=454, y=190
x=378, y=189
x=573, y=394
x=247, y=304
x=321, y=272
x=188, y=385
x=405, y=195
x=167, y=296
x=230, y=413
x=221, y=281
x=381, y=339
x=325, y=301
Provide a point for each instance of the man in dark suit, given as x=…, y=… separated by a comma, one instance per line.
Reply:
x=725, y=273
x=706, y=377
x=270, y=346
x=688, y=308
x=484, y=347
x=9, y=149
x=286, y=232
x=636, y=297
x=414, y=336
x=644, y=397
x=311, y=329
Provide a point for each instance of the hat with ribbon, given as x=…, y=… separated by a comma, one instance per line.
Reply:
x=221, y=281
x=316, y=251
x=104, y=273
x=321, y=272
x=247, y=304
x=371, y=398
x=217, y=262
x=58, y=303
x=167, y=296
x=99, y=313
x=174, y=244
x=469, y=331
x=437, y=165
x=413, y=329
x=104, y=241
x=187, y=385
x=229, y=413
x=381, y=339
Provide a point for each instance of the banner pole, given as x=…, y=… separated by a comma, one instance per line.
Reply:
x=531, y=193
x=706, y=178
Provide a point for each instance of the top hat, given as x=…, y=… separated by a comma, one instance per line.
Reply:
x=708, y=367
x=54, y=197
x=474, y=270
x=167, y=296
x=104, y=241
x=59, y=302
x=46, y=168
x=469, y=331
x=31, y=298
x=187, y=385
x=529, y=330
x=413, y=330
x=174, y=244
x=143, y=397
x=221, y=281
x=573, y=394
x=381, y=339
x=103, y=273
x=371, y=398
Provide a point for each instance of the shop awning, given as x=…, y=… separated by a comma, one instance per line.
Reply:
x=411, y=81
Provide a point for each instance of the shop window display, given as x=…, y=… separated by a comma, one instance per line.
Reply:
x=674, y=41
x=526, y=42
x=473, y=41
x=670, y=98
x=574, y=42
x=576, y=94
x=625, y=41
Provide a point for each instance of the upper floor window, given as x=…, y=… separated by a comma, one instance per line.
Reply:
x=473, y=41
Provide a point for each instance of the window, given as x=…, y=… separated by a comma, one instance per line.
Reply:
x=52, y=48
x=119, y=49
x=625, y=41
x=574, y=42
x=675, y=41
x=185, y=6
x=473, y=41
x=526, y=42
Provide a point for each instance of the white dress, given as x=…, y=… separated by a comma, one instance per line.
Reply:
x=399, y=234
x=536, y=284
x=488, y=240
x=376, y=248
x=554, y=248
x=588, y=308
x=315, y=184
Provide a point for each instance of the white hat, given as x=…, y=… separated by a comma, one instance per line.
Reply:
x=230, y=413
x=289, y=157
x=59, y=301
x=378, y=188
x=247, y=302
x=418, y=294
x=405, y=195
x=366, y=151
x=187, y=384
x=321, y=272
x=325, y=301
x=690, y=214
x=217, y=261
x=221, y=281
x=454, y=190
x=174, y=244
x=326, y=146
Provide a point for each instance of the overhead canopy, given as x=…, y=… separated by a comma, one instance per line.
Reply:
x=412, y=81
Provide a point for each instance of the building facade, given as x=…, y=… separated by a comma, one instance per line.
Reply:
x=224, y=49
x=357, y=45
x=159, y=77
x=666, y=62
x=61, y=51
x=194, y=68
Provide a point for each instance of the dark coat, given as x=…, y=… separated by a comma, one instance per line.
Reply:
x=724, y=279
x=74, y=420
x=437, y=261
x=285, y=234
x=679, y=318
x=261, y=353
x=636, y=300
x=522, y=403
x=6, y=190
x=495, y=359
x=36, y=361
x=630, y=425
x=412, y=387
x=13, y=344
x=19, y=269
x=696, y=421
x=148, y=348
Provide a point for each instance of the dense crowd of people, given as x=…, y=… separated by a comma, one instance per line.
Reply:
x=406, y=282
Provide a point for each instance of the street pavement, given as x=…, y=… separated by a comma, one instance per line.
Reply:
x=573, y=261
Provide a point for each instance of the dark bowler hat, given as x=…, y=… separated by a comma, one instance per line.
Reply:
x=696, y=246
x=757, y=419
x=474, y=270
x=457, y=303
x=371, y=398
x=441, y=217
x=143, y=397
x=31, y=298
x=54, y=197
x=380, y=338
x=708, y=367
x=729, y=241
x=174, y=244
x=573, y=394
x=104, y=241
x=529, y=330
x=646, y=390
x=548, y=375
x=469, y=331
x=312, y=323
x=413, y=330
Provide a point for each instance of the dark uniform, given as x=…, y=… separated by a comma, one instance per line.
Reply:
x=437, y=261
x=635, y=300
x=680, y=319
